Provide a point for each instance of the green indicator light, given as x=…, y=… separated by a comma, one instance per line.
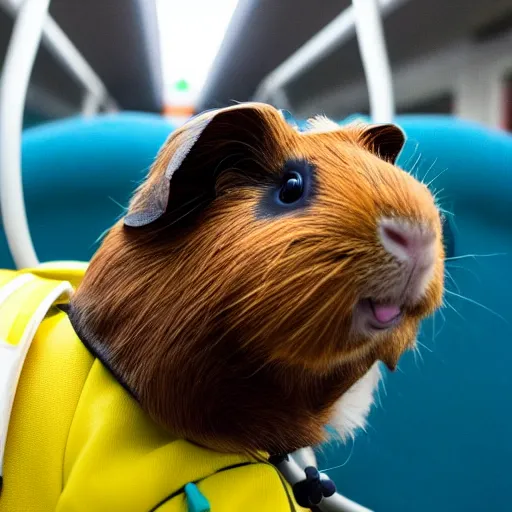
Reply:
x=181, y=85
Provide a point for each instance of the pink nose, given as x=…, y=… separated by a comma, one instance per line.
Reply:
x=408, y=242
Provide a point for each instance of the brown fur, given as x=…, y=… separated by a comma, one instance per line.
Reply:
x=232, y=330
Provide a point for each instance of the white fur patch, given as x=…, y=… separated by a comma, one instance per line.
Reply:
x=320, y=124
x=352, y=409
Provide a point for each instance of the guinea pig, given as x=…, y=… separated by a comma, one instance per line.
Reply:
x=259, y=276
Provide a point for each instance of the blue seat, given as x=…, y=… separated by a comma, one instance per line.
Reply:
x=441, y=440
x=78, y=175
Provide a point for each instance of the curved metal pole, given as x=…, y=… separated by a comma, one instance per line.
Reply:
x=374, y=55
x=330, y=37
x=66, y=53
x=21, y=53
x=293, y=473
x=333, y=35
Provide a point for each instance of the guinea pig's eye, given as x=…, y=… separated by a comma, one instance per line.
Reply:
x=292, y=187
x=290, y=190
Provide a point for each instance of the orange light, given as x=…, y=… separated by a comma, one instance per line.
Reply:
x=178, y=111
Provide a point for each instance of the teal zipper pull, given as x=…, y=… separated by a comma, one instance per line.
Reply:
x=195, y=500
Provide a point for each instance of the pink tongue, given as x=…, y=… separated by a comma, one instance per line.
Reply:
x=385, y=314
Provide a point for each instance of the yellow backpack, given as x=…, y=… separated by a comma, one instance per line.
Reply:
x=72, y=439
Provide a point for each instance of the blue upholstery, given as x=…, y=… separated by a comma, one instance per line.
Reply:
x=441, y=440
x=76, y=174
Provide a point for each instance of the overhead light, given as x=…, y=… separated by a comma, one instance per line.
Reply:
x=191, y=33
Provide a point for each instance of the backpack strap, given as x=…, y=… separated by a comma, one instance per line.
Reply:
x=25, y=299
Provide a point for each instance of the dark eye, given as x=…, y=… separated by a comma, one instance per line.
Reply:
x=288, y=190
x=292, y=187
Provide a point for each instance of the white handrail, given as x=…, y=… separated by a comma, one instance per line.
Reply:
x=332, y=35
x=374, y=55
x=293, y=473
x=68, y=55
x=339, y=30
x=31, y=24
x=21, y=53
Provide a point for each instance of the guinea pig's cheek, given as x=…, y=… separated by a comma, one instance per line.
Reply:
x=313, y=358
x=437, y=286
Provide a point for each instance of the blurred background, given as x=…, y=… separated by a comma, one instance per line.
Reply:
x=91, y=89
x=175, y=57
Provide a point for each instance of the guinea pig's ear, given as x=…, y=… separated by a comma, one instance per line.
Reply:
x=385, y=140
x=183, y=177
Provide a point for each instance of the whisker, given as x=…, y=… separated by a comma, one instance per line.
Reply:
x=405, y=165
x=477, y=304
x=416, y=352
x=428, y=171
x=474, y=256
x=384, y=389
x=445, y=211
x=436, y=195
x=101, y=236
x=424, y=346
x=468, y=269
x=454, y=309
x=415, y=164
x=436, y=334
x=341, y=465
x=117, y=203
x=435, y=178
x=452, y=280
x=379, y=398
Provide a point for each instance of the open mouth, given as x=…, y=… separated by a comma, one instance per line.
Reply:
x=378, y=316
